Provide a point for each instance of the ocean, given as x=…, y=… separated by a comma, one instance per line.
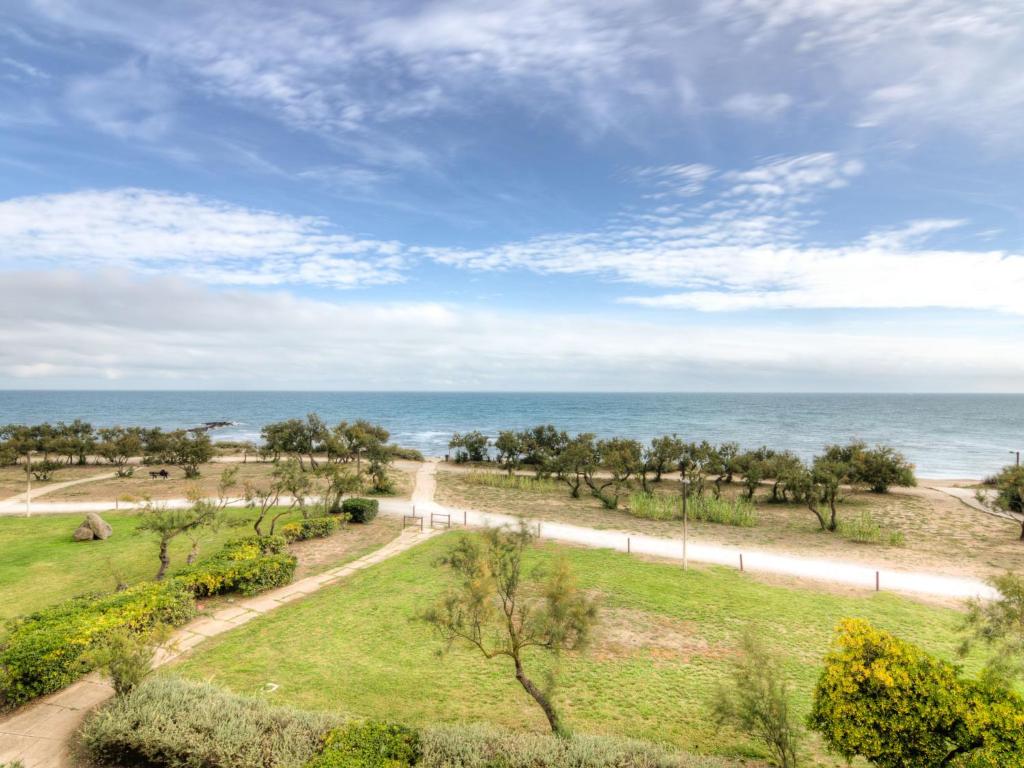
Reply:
x=946, y=436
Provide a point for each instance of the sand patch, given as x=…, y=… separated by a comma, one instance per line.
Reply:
x=630, y=633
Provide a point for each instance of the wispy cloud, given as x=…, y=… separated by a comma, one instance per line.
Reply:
x=757, y=106
x=213, y=241
x=748, y=247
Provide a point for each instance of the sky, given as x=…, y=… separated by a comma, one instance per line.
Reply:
x=692, y=195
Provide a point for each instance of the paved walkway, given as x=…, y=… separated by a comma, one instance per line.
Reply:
x=38, y=734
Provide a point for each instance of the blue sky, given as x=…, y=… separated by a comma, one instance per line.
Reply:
x=717, y=194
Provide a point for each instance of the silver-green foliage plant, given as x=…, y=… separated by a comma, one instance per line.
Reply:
x=757, y=702
x=175, y=723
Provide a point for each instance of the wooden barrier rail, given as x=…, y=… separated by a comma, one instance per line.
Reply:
x=412, y=520
x=442, y=518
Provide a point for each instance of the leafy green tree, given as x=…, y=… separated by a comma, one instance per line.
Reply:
x=471, y=446
x=181, y=448
x=167, y=524
x=119, y=444
x=891, y=703
x=999, y=625
x=697, y=460
x=757, y=702
x=663, y=454
x=577, y=460
x=828, y=476
x=1009, y=495
x=784, y=465
x=881, y=468
x=496, y=610
x=355, y=441
x=336, y=481
x=511, y=447
x=620, y=459
x=76, y=440
x=541, y=444
x=297, y=437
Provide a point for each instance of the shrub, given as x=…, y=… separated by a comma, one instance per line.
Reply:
x=360, y=510
x=864, y=529
x=738, y=512
x=248, y=566
x=488, y=747
x=409, y=454
x=127, y=656
x=43, y=470
x=174, y=723
x=47, y=650
x=369, y=745
x=311, y=528
x=898, y=707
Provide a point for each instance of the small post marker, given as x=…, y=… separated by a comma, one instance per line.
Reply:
x=741, y=562
x=464, y=519
x=629, y=545
x=878, y=582
x=538, y=530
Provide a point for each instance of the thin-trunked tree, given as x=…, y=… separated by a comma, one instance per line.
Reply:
x=496, y=610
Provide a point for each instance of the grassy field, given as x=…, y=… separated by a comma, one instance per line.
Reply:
x=663, y=646
x=42, y=565
x=940, y=533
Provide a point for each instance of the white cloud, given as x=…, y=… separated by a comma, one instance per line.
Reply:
x=683, y=179
x=749, y=248
x=152, y=231
x=758, y=106
x=173, y=333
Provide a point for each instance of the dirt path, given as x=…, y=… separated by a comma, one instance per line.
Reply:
x=39, y=734
x=19, y=499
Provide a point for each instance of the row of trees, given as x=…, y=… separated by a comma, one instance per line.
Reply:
x=75, y=443
x=359, y=442
x=609, y=468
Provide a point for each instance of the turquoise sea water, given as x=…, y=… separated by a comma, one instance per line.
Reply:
x=945, y=435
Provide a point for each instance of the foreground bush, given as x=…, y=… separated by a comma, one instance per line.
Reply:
x=47, y=650
x=891, y=703
x=249, y=566
x=360, y=510
x=487, y=747
x=369, y=745
x=174, y=723
x=311, y=528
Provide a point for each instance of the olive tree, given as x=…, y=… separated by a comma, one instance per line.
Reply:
x=1009, y=495
x=166, y=524
x=471, y=446
x=619, y=459
x=998, y=624
x=510, y=446
x=574, y=462
x=502, y=611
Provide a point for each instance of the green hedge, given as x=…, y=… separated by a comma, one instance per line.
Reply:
x=369, y=745
x=360, y=510
x=45, y=651
x=178, y=724
x=248, y=566
x=311, y=528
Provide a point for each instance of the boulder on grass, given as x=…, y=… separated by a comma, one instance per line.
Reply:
x=93, y=527
x=100, y=528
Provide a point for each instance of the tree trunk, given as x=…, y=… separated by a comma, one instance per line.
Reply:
x=193, y=553
x=813, y=506
x=165, y=559
x=833, y=524
x=540, y=698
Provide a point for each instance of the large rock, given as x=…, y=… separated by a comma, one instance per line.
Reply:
x=93, y=527
x=100, y=528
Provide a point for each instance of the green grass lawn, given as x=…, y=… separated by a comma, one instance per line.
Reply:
x=663, y=646
x=41, y=564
